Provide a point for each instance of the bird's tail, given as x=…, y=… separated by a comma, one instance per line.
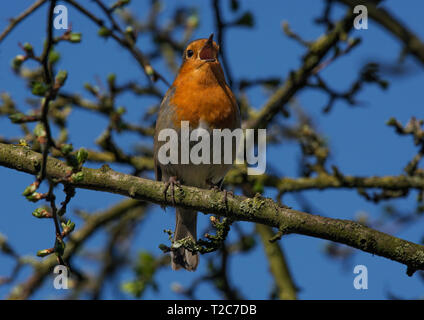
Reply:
x=186, y=221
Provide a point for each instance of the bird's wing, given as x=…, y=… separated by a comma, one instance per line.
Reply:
x=163, y=121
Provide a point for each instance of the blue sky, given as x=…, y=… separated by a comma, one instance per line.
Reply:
x=361, y=143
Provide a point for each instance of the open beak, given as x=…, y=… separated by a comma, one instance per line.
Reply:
x=207, y=53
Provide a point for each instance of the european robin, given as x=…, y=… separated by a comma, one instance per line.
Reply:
x=201, y=96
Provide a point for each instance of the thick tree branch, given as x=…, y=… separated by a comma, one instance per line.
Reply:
x=286, y=184
x=257, y=209
x=326, y=181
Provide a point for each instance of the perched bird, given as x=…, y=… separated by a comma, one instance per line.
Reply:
x=199, y=95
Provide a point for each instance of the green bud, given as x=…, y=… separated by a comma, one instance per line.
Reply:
x=121, y=110
x=93, y=90
x=75, y=37
x=77, y=177
x=68, y=227
x=149, y=70
x=61, y=77
x=353, y=41
x=104, y=32
x=16, y=117
x=35, y=196
x=30, y=189
x=130, y=33
x=391, y=122
x=17, y=61
x=82, y=155
x=43, y=253
x=54, y=56
x=129, y=30
x=39, y=89
x=111, y=79
x=41, y=213
x=39, y=130
x=66, y=149
x=23, y=143
x=193, y=21
x=27, y=47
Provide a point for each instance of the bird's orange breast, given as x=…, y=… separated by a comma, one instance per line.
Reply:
x=202, y=96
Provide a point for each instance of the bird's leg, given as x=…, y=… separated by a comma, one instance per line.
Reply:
x=172, y=182
x=218, y=187
x=226, y=193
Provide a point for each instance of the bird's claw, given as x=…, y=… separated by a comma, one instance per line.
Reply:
x=172, y=182
x=226, y=193
x=215, y=188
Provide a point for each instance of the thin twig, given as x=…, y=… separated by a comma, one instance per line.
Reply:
x=50, y=93
x=15, y=21
x=220, y=29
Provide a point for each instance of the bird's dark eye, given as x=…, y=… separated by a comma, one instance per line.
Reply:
x=189, y=53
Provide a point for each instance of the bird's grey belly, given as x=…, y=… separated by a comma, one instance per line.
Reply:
x=196, y=175
x=202, y=175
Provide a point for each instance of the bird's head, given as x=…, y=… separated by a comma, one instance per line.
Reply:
x=200, y=53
